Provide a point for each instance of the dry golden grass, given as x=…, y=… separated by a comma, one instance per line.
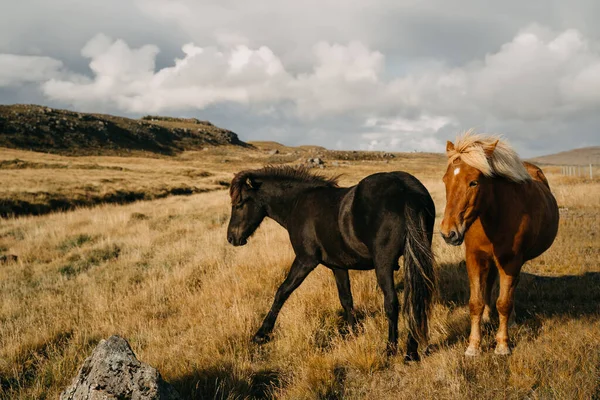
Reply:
x=161, y=274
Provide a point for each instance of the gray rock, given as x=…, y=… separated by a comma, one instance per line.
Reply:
x=113, y=372
x=273, y=152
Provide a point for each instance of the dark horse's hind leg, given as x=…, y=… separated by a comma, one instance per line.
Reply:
x=385, y=279
x=342, y=280
x=299, y=270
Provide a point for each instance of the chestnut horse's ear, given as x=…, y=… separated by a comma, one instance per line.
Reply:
x=449, y=146
x=489, y=149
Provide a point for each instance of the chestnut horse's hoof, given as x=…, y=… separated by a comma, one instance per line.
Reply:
x=472, y=352
x=411, y=357
x=502, y=350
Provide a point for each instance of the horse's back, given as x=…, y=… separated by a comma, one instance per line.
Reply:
x=536, y=173
x=384, y=196
x=396, y=185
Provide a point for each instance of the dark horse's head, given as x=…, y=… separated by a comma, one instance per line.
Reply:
x=268, y=191
x=247, y=209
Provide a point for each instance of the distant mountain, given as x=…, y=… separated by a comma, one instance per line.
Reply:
x=32, y=127
x=582, y=156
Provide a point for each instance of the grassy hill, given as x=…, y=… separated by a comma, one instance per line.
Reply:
x=44, y=129
x=582, y=156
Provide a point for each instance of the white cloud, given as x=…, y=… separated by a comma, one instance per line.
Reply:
x=532, y=78
x=18, y=69
x=210, y=75
x=402, y=134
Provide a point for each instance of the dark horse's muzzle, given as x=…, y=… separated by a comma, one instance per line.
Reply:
x=236, y=241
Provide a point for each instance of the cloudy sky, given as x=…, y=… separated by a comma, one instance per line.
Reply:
x=355, y=74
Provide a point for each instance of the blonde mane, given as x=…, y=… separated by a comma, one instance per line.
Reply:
x=473, y=150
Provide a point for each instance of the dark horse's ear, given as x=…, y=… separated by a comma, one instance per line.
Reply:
x=449, y=146
x=489, y=149
x=251, y=183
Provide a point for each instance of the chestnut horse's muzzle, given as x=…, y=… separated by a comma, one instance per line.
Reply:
x=453, y=237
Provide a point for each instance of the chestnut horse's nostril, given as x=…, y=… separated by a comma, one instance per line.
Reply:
x=230, y=239
x=451, y=234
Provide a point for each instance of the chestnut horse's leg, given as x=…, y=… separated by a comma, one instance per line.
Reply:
x=478, y=267
x=342, y=280
x=491, y=279
x=300, y=269
x=509, y=277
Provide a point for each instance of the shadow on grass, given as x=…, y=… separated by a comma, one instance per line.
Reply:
x=46, y=203
x=568, y=295
x=536, y=298
x=227, y=382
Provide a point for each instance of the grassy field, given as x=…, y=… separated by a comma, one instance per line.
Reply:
x=161, y=274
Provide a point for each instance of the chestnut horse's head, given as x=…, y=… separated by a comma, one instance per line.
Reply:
x=247, y=209
x=473, y=164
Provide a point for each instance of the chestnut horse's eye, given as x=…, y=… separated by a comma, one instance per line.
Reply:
x=473, y=183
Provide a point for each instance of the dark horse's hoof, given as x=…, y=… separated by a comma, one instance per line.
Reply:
x=261, y=339
x=391, y=350
x=411, y=357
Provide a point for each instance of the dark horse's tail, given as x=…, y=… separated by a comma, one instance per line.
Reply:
x=419, y=274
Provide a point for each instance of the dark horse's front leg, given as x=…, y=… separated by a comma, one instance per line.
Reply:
x=300, y=269
x=342, y=280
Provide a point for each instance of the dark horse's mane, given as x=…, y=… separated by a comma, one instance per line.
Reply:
x=278, y=173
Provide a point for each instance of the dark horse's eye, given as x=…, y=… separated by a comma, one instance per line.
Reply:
x=473, y=183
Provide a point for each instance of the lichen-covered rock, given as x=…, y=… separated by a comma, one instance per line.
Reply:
x=114, y=372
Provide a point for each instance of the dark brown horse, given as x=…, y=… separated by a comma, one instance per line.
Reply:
x=504, y=211
x=367, y=226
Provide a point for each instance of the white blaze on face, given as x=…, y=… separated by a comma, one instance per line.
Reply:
x=456, y=171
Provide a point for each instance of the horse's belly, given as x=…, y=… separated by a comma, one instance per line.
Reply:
x=346, y=261
x=545, y=231
x=542, y=244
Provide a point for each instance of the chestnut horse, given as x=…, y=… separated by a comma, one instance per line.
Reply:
x=504, y=211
